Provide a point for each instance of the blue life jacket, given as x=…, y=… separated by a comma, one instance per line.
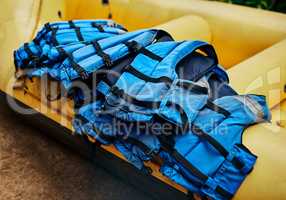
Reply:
x=74, y=24
x=151, y=84
x=210, y=159
x=69, y=55
x=203, y=150
x=156, y=99
x=69, y=35
x=103, y=55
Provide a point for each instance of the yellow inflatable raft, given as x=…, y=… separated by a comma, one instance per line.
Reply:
x=251, y=44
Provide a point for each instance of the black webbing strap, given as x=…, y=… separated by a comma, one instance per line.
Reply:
x=106, y=58
x=133, y=46
x=48, y=27
x=62, y=52
x=81, y=71
x=223, y=192
x=199, y=132
x=152, y=105
x=77, y=31
x=132, y=100
x=167, y=144
x=29, y=51
x=36, y=41
x=78, y=34
x=184, y=118
x=136, y=48
x=71, y=23
x=54, y=36
x=178, y=157
x=33, y=61
x=39, y=61
x=150, y=54
x=168, y=81
x=192, y=87
x=237, y=163
x=99, y=27
x=146, y=78
x=216, y=108
x=183, y=115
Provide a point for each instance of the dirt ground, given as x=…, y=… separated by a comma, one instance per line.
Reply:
x=34, y=167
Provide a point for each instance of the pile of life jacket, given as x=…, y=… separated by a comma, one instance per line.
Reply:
x=153, y=98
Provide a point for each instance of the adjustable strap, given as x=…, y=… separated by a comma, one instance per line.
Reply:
x=48, y=27
x=33, y=60
x=71, y=23
x=152, y=105
x=77, y=30
x=62, y=52
x=78, y=34
x=167, y=144
x=54, y=36
x=183, y=115
x=216, y=108
x=150, y=54
x=29, y=51
x=80, y=70
x=135, y=47
x=238, y=163
x=179, y=158
x=220, y=148
x=199, y=132
x=99, y=27
x=36, y=41
x=223, y=192
x=146, y=78
x=106, y=58
x=192, y=87
x=168, y=81
x=38, y=61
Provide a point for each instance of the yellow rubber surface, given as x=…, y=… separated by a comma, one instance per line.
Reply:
x=251, y=43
